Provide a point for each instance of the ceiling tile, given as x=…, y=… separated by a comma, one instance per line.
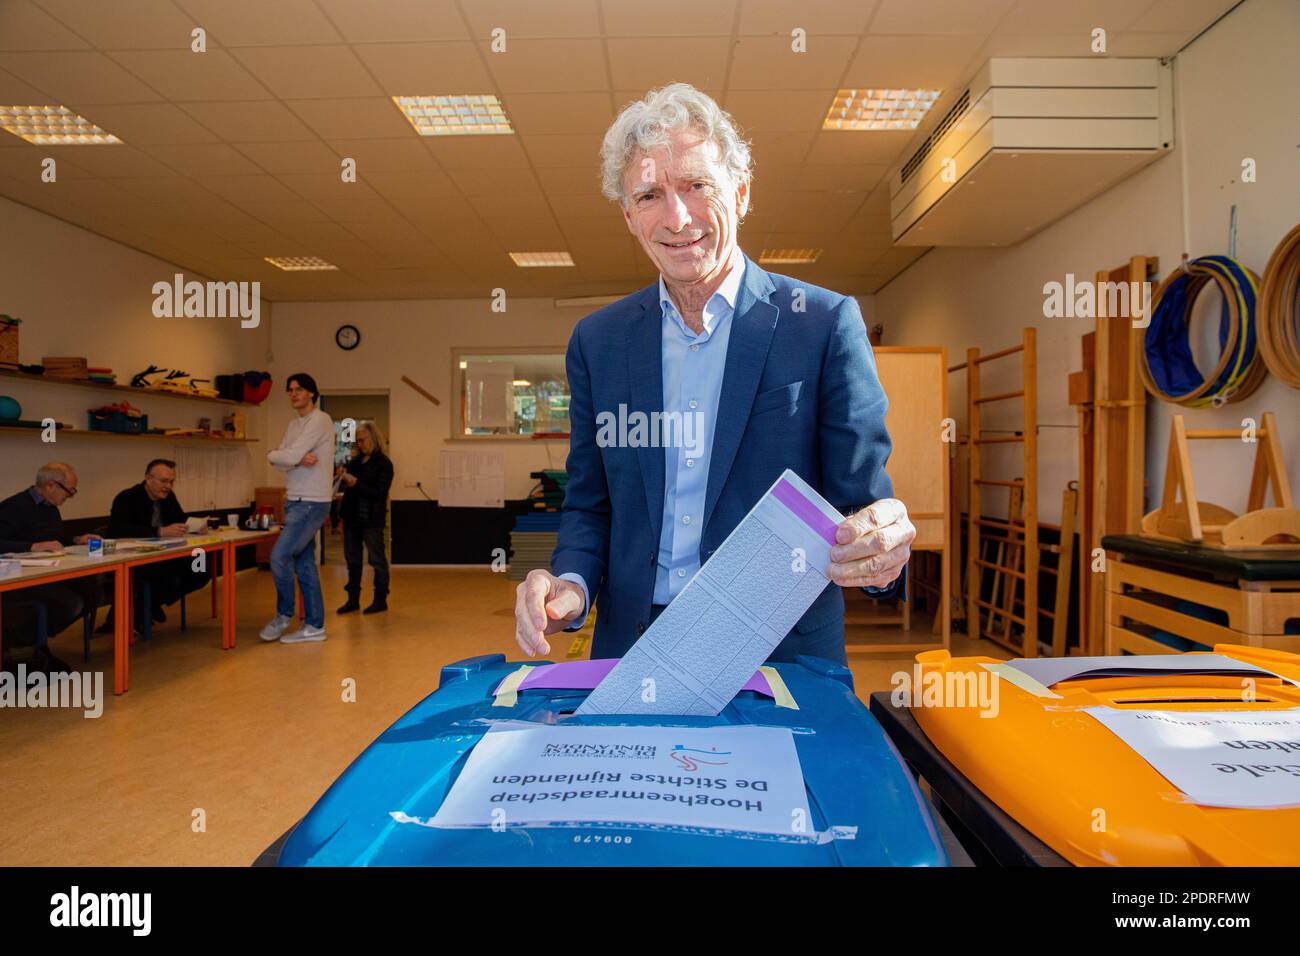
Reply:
x=933, y=62
x=571, y=180
x=319, y=186
x=549, y=66
x=123, y=24
x=772, y=148
x=851, y=177
x=386, y=155
x=78, y=77
x=369, y=118
x=309, y=156
x=1039, y=44
x=779, y=110
x=250, y=122
x=874, y=147
x=768, y=63
x=348, y=210
x=1188, y=16
x=563, y=149
x=113, y=163
x=309, y=72
x=182, y=75
x=643, y=64
x=24, y=26
x=495, y=182
x=426, y=69
x=930, y=17
x=14, y=92
x=1069, y=16
x=765, y=17
x=286, y=213
x=398, y=20
x=552, y=113
x=427, y=184
x=258, y=23
x=163, y=189
x=525, y=18
x=477, y=152
x=670, y=18
x=148, y=124
x=1144, y=44
x=247, y=191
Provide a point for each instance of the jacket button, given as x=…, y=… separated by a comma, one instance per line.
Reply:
x=652, y=558
x=640, y=627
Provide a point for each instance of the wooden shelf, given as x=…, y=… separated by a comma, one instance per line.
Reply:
x=87, y=433
x=100, y=387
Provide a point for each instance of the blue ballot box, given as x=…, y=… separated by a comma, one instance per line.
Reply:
x=857, y=803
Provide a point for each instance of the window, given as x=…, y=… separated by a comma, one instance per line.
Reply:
x=510, y=394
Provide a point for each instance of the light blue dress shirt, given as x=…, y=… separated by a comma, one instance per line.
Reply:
x=693, y=366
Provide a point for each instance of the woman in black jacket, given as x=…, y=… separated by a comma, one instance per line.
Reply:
x=365, y=481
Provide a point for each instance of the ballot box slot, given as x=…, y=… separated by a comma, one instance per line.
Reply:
x=1147, y=701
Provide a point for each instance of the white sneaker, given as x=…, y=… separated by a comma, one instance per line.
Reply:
x=304, y=633
x=273, y=630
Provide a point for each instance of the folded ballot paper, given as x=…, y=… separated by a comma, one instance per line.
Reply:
x=709, y=641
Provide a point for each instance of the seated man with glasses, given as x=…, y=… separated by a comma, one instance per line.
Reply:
x=150, y=510
x=30, y=521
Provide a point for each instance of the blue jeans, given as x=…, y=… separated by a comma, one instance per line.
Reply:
x=295, y=551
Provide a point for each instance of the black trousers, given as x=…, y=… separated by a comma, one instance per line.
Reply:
x=65, y=603
x=373, y=540
x=169, y=581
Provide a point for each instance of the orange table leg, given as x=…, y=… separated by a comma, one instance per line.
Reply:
x=228, y=594
x=214, y=585
x=122, y=618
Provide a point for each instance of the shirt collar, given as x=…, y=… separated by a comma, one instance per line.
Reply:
x=727, y=291
x=38, y=497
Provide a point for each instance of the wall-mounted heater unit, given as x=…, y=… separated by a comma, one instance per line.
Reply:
x=1027, y=141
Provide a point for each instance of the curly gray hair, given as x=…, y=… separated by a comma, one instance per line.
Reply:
x=645, y=125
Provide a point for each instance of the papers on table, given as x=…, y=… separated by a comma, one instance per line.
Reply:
x=34, y=554
x=727, y=778
x=705, y=645
x=1219, y=758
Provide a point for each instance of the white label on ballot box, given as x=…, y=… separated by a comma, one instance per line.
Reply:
x=728, y=778
x=1219, y=758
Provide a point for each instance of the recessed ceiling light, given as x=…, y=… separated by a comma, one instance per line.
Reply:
x=53, y=126
x=535, y=259
x=469, y=115
x=300, y=263
x=879, y=109
x=789, y=256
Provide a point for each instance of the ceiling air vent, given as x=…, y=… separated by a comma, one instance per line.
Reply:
x=951, y=117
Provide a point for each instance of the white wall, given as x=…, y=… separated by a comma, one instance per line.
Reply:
x=415, y=338
x=81, y=294
x=1236, y=90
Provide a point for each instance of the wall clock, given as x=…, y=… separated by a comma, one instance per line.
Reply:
x=347, y=337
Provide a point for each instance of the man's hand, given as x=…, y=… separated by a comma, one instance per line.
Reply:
x=349, y=479
x=176, y=530
x=47, y=546
x=872, y=546
x=544, y=604
x=308, y=460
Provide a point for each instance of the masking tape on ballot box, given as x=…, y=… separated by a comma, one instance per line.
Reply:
x=507, y=694
x=1020, y=679
x=780, y=693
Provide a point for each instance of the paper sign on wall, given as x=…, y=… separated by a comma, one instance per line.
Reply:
x=1218, y=758
x=728, y=778
x=471, y=479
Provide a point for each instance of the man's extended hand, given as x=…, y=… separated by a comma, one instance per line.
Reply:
x=872, y=545
x=176, y=530
x=47, y=546
x=544, y=604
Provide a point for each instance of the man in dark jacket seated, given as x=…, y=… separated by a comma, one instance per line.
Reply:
x=150, y=510
x=30, y=521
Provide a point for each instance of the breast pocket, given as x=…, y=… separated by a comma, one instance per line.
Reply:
x=779, y=402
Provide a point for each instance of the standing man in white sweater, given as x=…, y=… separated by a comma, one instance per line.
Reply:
x=306, y=455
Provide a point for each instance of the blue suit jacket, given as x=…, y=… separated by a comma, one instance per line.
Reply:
x=800, y=391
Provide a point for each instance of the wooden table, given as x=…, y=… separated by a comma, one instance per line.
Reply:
x=1145, y=579
x=121, y=563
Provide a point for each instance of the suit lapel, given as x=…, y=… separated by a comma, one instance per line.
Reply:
x=645, y=372
x=753, y=324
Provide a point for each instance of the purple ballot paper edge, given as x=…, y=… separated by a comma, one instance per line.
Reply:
x=804, y=510
x=585, y=675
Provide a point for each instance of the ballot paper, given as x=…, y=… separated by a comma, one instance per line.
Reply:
x=709, y=641
x=1219, y=758
x=724, y=778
